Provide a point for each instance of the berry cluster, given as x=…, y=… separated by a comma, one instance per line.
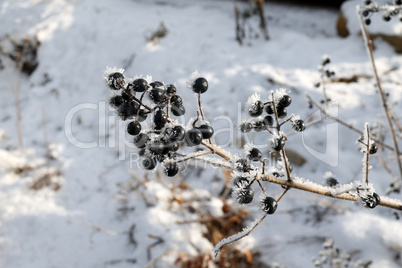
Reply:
x=165, y=136
x=389, y=11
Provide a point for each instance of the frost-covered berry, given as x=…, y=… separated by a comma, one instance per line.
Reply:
x=178, y=110
x=299, y=125
x=156, y=146
x=245, y=127
x=176, y=133
x=282, y=112
x=148, y=162
x=242, y=165
x=125, y=96
x=238, y=181
x=139, y=85
x=133, y=128
x=157, y=95
x=269, y=108
x=176, y=99
x=170, y=90
x=125, y=111
x=142, y=115
x=245, y=195
x=141, y=140
x=116, y=81
x=331, y=182
x=256, y=109
x=200, y=85
x=174, y=146
x=278, y=144
x=268, y=205
x=285, y=101
x=371, y=201
x=171, y=169
x=116, y=101
x=207, y=131
x=160, y=119
x=193, y=137
x=254, y=154
x=373, y=148
x=259, y=125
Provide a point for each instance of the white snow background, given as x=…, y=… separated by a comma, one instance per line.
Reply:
x=81, y=224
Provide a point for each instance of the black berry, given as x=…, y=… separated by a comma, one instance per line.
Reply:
x=156, y=84
x=285, y=101
x=268, y=120
x=160, y=119
x=200, y=85
x=116, y=101
x=256, y=109
x=245, y=195
x=193, y=137
x=282, y=112
x=142, y=115
x=365, y=13
x=269, y=205
x=126, y=111
x=386, y=17
x=157, y=146
x=176, y=99
x=133, y=128
x=157, y=95
x=207, y=131
x=238, y=181
x=269, y=108
x=246, y=127
x=332, y=182
x=139, y=85
x=170, y=90
x=242, y=165
x=178, y=110
x=254, y=154
x=279, y=144
x=299, y=125
x=171, y=169
x=176, y=133
x=116, y=81
x=373, y=148
x=367, y=21
x=148, y=162
x=141, y=140
x=259, y=125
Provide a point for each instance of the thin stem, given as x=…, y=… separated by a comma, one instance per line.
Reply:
x=190, y=157
x=284, y=192
x=200, y=106
x=328, y=115
x=216, y=150
x=370, y=52
x=367, y=153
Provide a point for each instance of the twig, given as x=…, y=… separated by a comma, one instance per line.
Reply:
x=369, y=46
x=328, y=115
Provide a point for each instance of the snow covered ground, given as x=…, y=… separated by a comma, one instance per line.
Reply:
x=91, y=210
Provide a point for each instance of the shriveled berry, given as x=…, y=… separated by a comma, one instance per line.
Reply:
x=116, y=81
x=256, y=109
x=133, y=128
x=171, y=169
x=170, y=90
x=269, y=108
x=254, y=154
x=373, y=148
x=282, y=112
x=139, y=85
x=193, y=137
x=176, y=99
x=246, y=127
x=285, y=101
x=200, y=85
x=160, y=119
x=141, y=140
x=148, y=162
x=207, y=131
x=178, y=110
x=299, y=125
x=269, y=205
x=116, y=101
x=245, y=195
x=279, y=144
x=157, y=95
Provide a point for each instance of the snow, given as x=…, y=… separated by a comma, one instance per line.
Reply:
x=103, y=193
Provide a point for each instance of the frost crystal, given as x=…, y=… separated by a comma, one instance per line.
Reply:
x=251, y=101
